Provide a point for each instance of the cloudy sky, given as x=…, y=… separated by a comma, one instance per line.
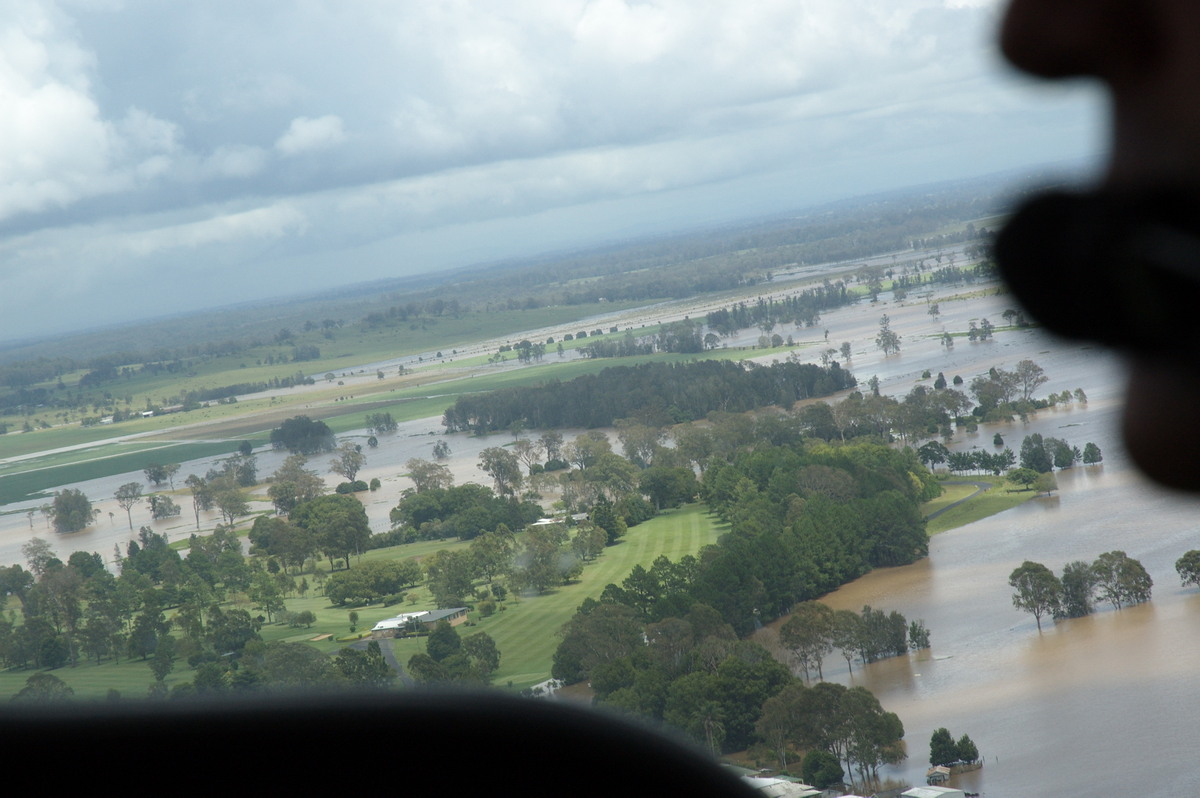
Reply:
x=158, y=157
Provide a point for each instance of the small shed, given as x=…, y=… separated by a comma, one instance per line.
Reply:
x=938, y=774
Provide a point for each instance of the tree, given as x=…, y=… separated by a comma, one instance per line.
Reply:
x=918, y=635
x=1038, y=590
x=1091, y=454
x=349, y=460
x=1188, y=568
x=228, y=498
x=551, y=443
x=1079, y=586
x=821, y=769
x=967, y=750
x=163, y=661
x=155, y=473
x=528, y=452
x=338, y=523
x=1034, y=455
x=429, y=476
x=39, y=556
x=1120, y=579
x=128, y=495
x=481, y=648
x=942, y=748
x=933, y=453
x=71, y=511
x=807, y=633
x=887, y=339
x=365, y=669
x=302, y=435
x=292, y=483
x=449, y=575
x=441, y=450
x=162, y=506
x=443, y=641
x=202, y=498
x=1045, y=483
x=503, y=467
x=44, y=688
x=379, y=423
x=1030, y=377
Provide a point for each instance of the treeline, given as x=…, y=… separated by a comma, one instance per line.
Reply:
x=686, y=337
x=802, y=308
x=671, y=391
x=814, y=630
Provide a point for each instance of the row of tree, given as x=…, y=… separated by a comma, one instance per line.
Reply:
x=672, y=392
x=1114, y=577
x=814, y=630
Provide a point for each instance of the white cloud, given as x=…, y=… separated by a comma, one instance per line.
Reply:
x=271, y=222
x=54, y=147
x=464, y=111
x=308, y=135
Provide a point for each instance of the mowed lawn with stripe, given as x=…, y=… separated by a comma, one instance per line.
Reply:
x=526, y=632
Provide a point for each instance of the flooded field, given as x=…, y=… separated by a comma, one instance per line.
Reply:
x=1105, y=704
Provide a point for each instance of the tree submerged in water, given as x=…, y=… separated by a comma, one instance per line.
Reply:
x=944, y=751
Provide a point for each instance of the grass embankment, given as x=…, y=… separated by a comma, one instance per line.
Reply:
x=999, y=497
x=525, y=632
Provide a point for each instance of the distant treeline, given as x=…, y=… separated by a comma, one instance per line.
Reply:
x=667, y=267
x=669, y=392
x=803, y=308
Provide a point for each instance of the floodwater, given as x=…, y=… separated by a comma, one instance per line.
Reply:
x=1101, y=705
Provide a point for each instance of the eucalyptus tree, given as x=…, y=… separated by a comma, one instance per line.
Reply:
x=1037, y=590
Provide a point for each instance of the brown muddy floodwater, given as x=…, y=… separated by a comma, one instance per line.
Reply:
x=1104, y=705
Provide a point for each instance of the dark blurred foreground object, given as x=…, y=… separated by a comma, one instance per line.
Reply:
x=1122, y=269
x=462, y=743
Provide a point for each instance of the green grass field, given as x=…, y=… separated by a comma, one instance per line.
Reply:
x=40, y=481
x=1000, y=497
x=526, y=632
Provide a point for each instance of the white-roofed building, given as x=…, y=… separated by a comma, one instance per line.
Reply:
x=933, y=792
x=780, y=788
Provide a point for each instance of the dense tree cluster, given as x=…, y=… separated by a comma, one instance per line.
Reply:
x=372, y=581
x=302, y=435
x=675, y=392
x=943, y=750
x=1114, y=577
x=71, y=510
x=814, y=630
x=1044, y=454
x=463, y=512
